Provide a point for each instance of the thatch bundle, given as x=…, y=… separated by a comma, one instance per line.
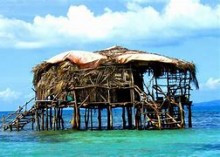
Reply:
x=62, y=73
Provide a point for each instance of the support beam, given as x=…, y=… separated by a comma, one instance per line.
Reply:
x=37, y=121
x=32, y=123
x=58, y=118
x=129, y=115
x=79, y=118
x=91, y=119
x=51, y=118
x=189, y=116
x=86, y=118
x=100, y=117
x=123, y=118
x=46, y=118
x=42, y=119
x=110, y=118
x=54, y=118
x=61, y=118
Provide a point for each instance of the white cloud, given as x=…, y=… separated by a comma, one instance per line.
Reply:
x=9, y=95
x=211, y=84
x=177, y=20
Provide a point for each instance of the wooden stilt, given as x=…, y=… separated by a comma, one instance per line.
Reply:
x=61, y=118
x=37, y=121
x=79, y=118
x=181, y=114
x=86, y=118
x=109, y=111
x=110, y=118
x=137, y=118
x=46, y=118
x=189, y=116
x=73, y=121
x=54, y=118
x=100, y=118
x=17, y=125
x=51, y=119
x=184, y=123
x=123, y=118
x=10, y=127
x=145, y=121
x=132, y=95
x=58, y=119
x=76, y=113
x=42, y=119
x=91, y=119
x=33, y=121
x=129, y=115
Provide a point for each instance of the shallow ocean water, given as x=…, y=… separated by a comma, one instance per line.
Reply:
x=202, y=140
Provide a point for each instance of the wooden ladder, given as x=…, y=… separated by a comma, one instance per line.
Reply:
x=155, y=117
x=18, y=119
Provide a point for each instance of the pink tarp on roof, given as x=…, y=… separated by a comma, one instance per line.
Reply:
x=119, y=55
x=83, y=59
x=125, y=58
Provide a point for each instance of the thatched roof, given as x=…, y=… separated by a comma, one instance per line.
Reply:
x=122, y=55
x=67, y=62
x=116, y=55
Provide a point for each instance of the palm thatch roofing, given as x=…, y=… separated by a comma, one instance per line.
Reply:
x=62, y=65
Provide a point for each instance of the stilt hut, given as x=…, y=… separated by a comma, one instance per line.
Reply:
x=151, y=91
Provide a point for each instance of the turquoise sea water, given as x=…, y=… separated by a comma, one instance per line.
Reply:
x=202, y=140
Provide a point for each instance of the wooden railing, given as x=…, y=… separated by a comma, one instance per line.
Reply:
x=12, y=116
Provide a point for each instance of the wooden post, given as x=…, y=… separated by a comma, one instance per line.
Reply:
x=123, y=118
x=33, y=121
x=73, y=121
x=132, y=94
x=110, y=117
x=54, y=118
x=156, y=87
x=79, y=118
x=100, y=118
x=37, y=120
x=137, y=118
x=51, y=119
x=86, y=118
x=91, y=119
x=58, y=119
x=61, y=118
x=42, y=119
x=46, y=118
x=184, y=123
x=17, y=125
x=76, y=113
x=181, y=114
x=129, y=115
x=109, y=110
x=189, y=116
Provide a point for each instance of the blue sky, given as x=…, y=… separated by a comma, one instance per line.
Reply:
x=32, y=31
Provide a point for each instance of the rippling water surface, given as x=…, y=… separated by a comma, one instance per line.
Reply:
x=202, y=140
